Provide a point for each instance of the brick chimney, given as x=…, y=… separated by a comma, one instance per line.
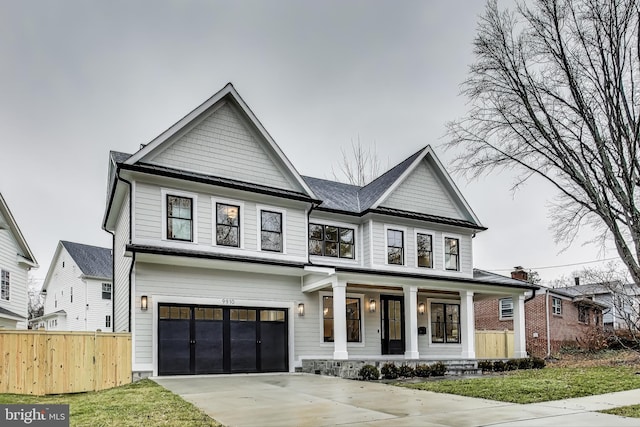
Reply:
x=519, y=273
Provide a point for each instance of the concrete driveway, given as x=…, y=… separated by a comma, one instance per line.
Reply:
x=313, y=400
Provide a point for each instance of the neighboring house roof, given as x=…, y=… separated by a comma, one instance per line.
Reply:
x=10, y=314
x=498, y=279
x=59, y=313
x=576, y=296
x=352, y=199
x=11, y=224
x=93, y=261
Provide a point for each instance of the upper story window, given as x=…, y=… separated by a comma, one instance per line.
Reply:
x=395, y=247
x=227, y=225
x=445, y=323
x=271, y=231
x=329, y=240
x=424, y=244
x=179, y=218
x=106, y=291
x=451, y=254
x=506, y=308
x=556, y=305
x=4, y=285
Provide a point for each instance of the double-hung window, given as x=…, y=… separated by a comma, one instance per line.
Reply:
x=179, y=218
x=271, y=231
x=506, y=308
x=395, y=247
x=353, y=309
x=4, y=285
x=332, y=241
x=107, y=321
x=451, y=254
x=445, y=323
x=227, y=225
x=425, y=250
x=106, y=291
x=556, y=306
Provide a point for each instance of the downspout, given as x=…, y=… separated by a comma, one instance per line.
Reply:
x=546, y=309
x=113, y=281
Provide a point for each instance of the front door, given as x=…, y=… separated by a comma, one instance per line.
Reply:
x=392, y=312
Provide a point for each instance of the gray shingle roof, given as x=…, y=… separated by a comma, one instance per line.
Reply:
x=493, y=278
x=93, y=261
x=119, y=157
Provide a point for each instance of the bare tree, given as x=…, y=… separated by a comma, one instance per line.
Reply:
x=359, y=166
x=554, y=92
x=35, y=304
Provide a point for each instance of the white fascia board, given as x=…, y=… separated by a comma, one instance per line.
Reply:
x=13, y=226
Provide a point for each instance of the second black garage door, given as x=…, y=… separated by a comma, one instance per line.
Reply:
x=214, y=340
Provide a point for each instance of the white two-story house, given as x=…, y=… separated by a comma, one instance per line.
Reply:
x=16, y=259
x=227, y=260
x=77, y=290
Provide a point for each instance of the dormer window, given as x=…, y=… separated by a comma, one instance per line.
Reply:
x=332, y=241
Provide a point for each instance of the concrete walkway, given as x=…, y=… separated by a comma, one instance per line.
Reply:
x=313, y=400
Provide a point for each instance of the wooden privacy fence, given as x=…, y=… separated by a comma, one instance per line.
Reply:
x=494, y=344
x=52, y=362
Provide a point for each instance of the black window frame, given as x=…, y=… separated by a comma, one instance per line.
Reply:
x=447, y=248
x=327, y=319
x=324, y=243
x=5, y=285
x=430, y=251
x=107, y=321
x=170, y=217
x=279, y=233
x=109, y=292
x=444, y=324
x=390, y=247
x=231, y=226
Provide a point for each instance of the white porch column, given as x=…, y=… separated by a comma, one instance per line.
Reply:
x=467, y=325
x=340, y=320
x=411, y=322
x=519, y=333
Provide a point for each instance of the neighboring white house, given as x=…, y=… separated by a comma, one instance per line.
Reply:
x=77, y=290
x=16, y=259
x=227, y=260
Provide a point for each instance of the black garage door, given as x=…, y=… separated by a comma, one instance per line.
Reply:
x=215, y=340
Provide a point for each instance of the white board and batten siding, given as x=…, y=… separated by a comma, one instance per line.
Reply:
x=423, y=192
x=121, y=266
x=18, y=295
x=150, y=219
x=223, y=145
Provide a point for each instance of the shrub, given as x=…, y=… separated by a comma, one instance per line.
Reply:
x=438, y=369
x=422, y=371
x=406, y=371
x=485, y=365
x=537, y=363
x=389, y=371
x=511, y=365
x=594, y=339
x=499, y=366
x=526, y=363
x=369, y=373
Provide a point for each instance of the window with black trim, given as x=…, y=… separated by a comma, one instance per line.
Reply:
x=506, y=308
x=227, y=225
x=107, y=321
x=179, y=218
x=332, y=241
x=271, y=231
x=556, y=306
x=451, y=254
x=106, y=291
x=5, y=285
x=445, y=323
x=353, y=319
x=425, y=250
x=395, y=247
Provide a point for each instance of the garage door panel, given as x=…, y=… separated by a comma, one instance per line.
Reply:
x=273, y=347
x=209, y=347
x=243, y=346
x=174, y=347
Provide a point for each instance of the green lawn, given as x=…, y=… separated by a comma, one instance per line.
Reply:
x=143, y=403
x=539, y=385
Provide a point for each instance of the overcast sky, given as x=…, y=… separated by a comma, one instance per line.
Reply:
x=80, y=78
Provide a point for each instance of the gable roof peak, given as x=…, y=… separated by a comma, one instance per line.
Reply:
x=12, y=225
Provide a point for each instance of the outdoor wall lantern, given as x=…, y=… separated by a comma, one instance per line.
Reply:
x=372, y=305
x=421, y=308
x=144, y=303
x=301, y=309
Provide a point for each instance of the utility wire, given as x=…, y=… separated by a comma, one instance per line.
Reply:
x=555, y=266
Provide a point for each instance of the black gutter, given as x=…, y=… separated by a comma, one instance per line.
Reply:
x=219, y=182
